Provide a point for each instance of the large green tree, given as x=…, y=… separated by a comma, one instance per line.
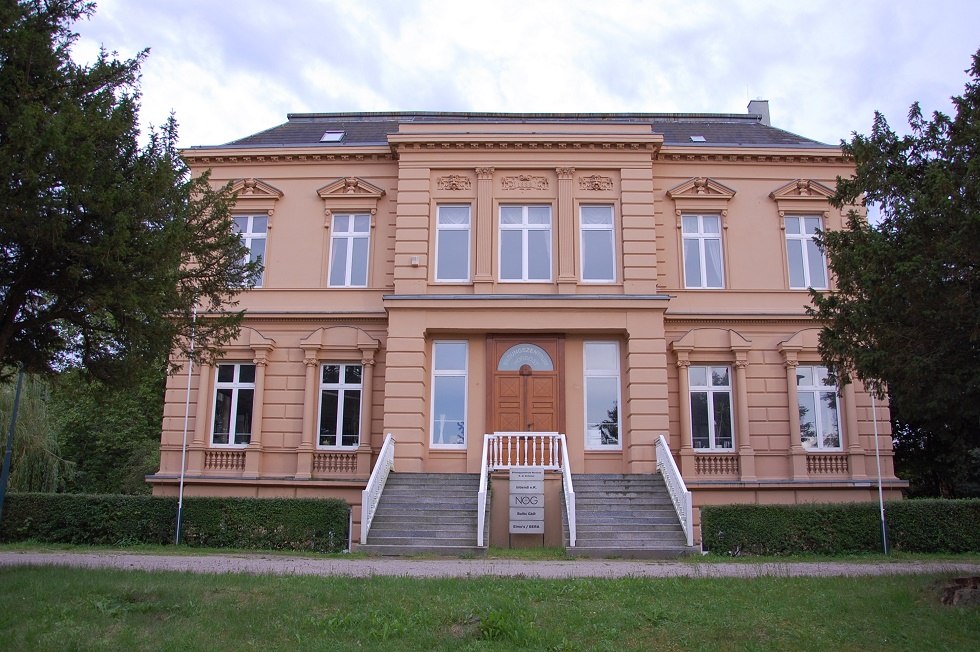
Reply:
x=905, y=317
x=106, y=243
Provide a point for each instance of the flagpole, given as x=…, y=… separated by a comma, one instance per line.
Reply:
x=187, y=413
x=881, y=495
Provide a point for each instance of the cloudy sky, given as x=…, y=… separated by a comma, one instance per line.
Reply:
x=232, y=68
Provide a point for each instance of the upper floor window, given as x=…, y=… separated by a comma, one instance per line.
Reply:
x=711, y=407
x=598, y=244
x=703, y=264
x=807, y=265
x=816, y=391
x=340, y=405
x=253, y=230
x=602, y=416
x=449, y=394
x=349, y=245
x=453, y=243
x=525, y=243
x=233, y=400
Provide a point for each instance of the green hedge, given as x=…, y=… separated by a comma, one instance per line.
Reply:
x=105, y=519
x=913, y=526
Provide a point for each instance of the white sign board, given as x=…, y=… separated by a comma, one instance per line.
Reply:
x=527, y=501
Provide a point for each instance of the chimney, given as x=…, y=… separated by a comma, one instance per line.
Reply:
x=760, y=108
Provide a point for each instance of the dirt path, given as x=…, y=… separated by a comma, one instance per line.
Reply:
x=259, y=564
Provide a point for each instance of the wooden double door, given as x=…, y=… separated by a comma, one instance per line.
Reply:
x=527, y=383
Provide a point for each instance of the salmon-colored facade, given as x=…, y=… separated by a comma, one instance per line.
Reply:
x=611, y=277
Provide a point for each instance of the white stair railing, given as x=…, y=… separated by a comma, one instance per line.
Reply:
x=376, y=484
x=566, y=477
x=679, y=494
x=481, y=496
x=517, y=449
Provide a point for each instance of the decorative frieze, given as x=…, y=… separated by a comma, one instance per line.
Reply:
x=524, y=182
x=595, y=182
x=454, y=182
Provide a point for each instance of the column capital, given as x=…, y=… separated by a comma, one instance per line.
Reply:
x=484, y=174
x=565, y=173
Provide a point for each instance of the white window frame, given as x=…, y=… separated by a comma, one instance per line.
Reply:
x=802, y=240
x=250, y=236
x=443, y=228
x=609, y=228
x=349, y=236
x=235, y=385
x=601, y=373
x=525, y=228
x=341, y=387
x=701, y=237
x=711, y=390
x=434, y=422
x=816, y=390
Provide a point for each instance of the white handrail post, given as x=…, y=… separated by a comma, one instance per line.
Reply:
x=566, y=476
x=481, y=496
x=376, y=484
x=679, y=493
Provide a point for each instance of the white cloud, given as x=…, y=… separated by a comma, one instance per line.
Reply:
x=229, y=69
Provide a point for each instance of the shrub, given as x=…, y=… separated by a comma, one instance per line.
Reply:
x=840, y=528
x=109, y=519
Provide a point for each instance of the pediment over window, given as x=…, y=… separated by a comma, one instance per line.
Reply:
x=701, y=195
x=254, y=188
x=712, y=339
x=805, y=195
x=350, y=194
x=350, y=186
x=340, y=340
x=701, y=187
x=805, y=340
x=250, y=340
x=255, y=195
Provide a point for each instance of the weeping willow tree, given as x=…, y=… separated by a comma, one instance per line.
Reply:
x=36, y=463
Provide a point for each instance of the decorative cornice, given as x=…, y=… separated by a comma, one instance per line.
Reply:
x=214, y=159
x=736, y=155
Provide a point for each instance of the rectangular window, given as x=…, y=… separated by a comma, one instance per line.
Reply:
x=816, y=390
x=453, y=243
x=253, y=230
x=340, y=405
x=598, y=244
x=601, y=395
x=806, y=262
x=449, y=394
x=349, y=243
x=711, y=408
x=703, y=263
x=233, y=400
x=525, y=243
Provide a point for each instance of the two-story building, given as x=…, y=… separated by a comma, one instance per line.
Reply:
x=606, y=278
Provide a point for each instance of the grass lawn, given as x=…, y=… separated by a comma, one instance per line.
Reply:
x=73, y=609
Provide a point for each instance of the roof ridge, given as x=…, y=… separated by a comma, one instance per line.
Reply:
x=381, y=115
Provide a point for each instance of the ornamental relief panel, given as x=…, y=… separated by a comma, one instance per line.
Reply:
x=454, y=182
x=595, y=183
x=524, y=182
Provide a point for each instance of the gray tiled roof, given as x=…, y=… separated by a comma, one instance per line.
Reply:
x=362, y=129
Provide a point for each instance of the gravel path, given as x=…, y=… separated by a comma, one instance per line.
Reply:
x=259, y=564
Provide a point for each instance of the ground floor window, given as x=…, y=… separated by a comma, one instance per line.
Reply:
x=816, y=389
x=601, y=395
x=233, y=401
x=711, y=407
x=449, y=394
x=340, y=405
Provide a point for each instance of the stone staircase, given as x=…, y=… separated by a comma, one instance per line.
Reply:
x=427, y=513
x=625, y=516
